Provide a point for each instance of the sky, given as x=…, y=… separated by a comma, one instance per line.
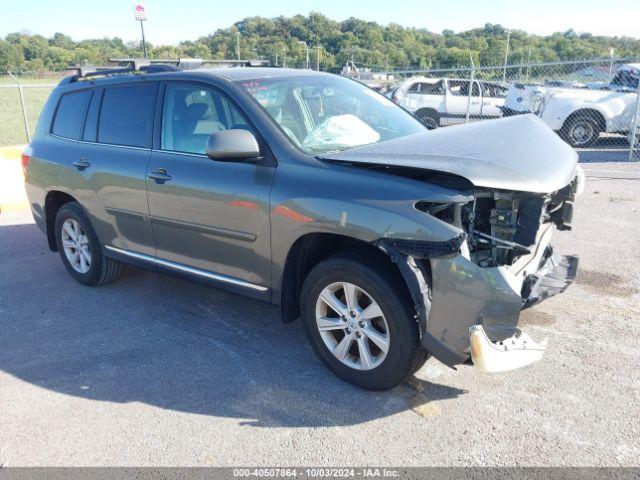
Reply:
x=171, y=21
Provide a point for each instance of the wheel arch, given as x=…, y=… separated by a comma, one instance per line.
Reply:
x=593, y=113
x=428, y=112
x=309, y=250
x=53, y=201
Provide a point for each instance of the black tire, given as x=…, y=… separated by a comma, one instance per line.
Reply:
x=429, y=118
x=102, y=269
x=385, y=285
x=581, y=131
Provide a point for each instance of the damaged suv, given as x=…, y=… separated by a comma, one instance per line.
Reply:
x=316, y=194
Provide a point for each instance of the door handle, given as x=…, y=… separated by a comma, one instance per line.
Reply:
x=160, y=175
x=81, y=164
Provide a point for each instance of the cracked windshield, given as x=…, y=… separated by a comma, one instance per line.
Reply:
x=325, y=114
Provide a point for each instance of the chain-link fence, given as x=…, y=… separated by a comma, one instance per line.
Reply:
x=21, y=100
x=591, y=104
x=634, y=133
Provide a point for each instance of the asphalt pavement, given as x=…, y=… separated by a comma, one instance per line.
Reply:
x=152, y=370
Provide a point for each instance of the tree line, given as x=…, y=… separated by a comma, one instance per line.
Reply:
x=279, y=41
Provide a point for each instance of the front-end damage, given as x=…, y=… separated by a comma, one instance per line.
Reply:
x=469, y=291
x=517, y=182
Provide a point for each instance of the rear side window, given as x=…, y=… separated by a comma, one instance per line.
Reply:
x=70, y=114
x=126, y=115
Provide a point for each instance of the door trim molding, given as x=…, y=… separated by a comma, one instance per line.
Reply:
x=217, y=231
x=186, y=269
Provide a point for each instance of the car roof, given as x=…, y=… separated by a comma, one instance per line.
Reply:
x=226, y=73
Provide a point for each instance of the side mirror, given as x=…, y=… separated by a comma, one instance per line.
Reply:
x=232, y=145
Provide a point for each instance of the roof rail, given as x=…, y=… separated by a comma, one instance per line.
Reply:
x=144, y=65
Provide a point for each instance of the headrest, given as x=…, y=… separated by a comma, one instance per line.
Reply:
x=195, y=112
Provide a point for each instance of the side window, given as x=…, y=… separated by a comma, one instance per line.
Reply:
x=494, y=90
x=191, y=113
x=415, y=88
x=433, y=88
x=461, y=88
x=70, y=114
x=126, y=115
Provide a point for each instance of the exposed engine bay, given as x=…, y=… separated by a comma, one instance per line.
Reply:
x=502, y=226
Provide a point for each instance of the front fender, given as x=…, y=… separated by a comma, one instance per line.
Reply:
x=558, y=109
x=351, y=202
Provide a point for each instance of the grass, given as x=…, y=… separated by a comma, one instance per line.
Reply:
x=12, y=129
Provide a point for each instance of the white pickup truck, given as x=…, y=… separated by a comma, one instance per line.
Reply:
x=580, y=114
x=443, y=101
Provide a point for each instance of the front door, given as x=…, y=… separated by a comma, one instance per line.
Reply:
x=209, y=215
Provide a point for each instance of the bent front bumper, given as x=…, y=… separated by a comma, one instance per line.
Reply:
x=474, y=306
x=515, y=352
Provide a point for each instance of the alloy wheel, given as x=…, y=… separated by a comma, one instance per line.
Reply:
x=76, y=246
x=352, y=326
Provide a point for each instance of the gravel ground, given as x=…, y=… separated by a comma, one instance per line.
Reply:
x=151, y=370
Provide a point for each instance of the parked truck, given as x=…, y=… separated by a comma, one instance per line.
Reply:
x=580, y=114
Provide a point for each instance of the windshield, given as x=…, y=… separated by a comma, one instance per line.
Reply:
x=626, y=79
x=321, y=113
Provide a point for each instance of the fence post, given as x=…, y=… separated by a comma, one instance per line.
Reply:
x=24, y=107
x=473, y=72
x=634, y=125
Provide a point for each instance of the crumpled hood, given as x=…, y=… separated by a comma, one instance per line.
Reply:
x=519, y=153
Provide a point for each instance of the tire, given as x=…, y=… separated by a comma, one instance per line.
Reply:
x=381, y=284
x=581, y=131
x=99, y=269
x=429, y=118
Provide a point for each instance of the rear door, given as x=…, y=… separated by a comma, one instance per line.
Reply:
x=210, y=218
x=458, y=101
x=108, y=172
x=426, y=94
x=493, y=97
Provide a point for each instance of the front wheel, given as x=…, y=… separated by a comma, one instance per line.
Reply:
x=581, y=131
x=359, y=320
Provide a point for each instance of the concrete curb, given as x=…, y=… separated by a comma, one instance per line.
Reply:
x=12, y=152
x=13, y=197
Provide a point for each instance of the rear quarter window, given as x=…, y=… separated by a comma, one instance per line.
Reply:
x=126, y=115
x=70, y=114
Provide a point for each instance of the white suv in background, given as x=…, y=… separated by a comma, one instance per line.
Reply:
x=443, y=101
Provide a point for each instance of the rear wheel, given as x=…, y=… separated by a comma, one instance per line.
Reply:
x=360, y=323
x=79, y=248
x=581, y=131
x=429, y=118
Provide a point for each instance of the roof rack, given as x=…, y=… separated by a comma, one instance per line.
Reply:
x=143, y=65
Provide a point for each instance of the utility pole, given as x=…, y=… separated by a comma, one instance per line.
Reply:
x=506, y=56
x=318, y=58
x=528, y=65
x=284, y=57
x=238, y=45
x=301, y=42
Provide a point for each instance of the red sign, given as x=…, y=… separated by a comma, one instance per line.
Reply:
x=141, y=12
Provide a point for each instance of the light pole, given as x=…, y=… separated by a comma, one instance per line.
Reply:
x=301, y=42
x=612, y=52
x=506, y=56
x=238, y=45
